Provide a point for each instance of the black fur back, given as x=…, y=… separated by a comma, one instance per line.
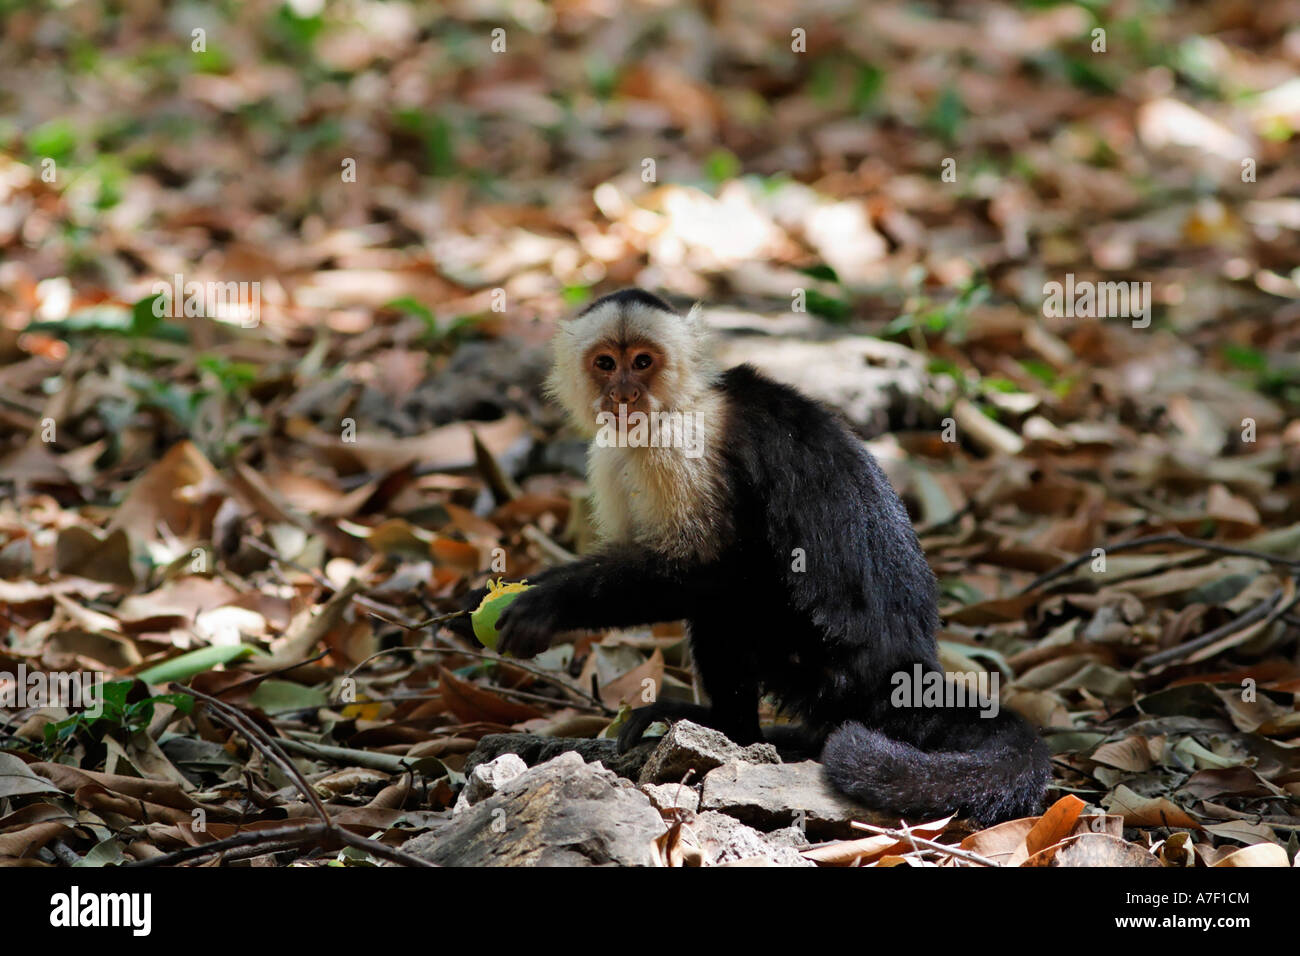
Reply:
x=835, y=596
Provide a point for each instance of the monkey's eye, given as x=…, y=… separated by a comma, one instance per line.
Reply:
x=642, y=361
x=605, y=363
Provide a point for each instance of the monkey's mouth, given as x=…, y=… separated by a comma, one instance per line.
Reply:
x=640, y=405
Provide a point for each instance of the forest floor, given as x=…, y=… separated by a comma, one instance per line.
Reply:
x=254, y=500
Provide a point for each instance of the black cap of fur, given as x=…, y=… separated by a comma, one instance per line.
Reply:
x=624, y=297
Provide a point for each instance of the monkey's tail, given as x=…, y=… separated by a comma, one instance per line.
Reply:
x=988, y=770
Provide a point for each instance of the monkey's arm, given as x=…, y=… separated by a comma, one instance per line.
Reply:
x=615, y=587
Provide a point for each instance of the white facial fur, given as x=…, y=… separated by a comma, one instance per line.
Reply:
x=686, y=375
x=657, y=497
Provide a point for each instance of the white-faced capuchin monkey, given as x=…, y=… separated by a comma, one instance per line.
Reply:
x=762, y=521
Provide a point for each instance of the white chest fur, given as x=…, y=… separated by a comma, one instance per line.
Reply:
x=661, y=498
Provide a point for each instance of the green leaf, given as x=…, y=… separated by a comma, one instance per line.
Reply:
x=1040, y=370
x=413, y=306
x=575, y=295
x=55, y=140
x=114, y=698
x=821, y=271
x=948, y=114
x=143, y=319
x=140, y=713
x=1003, y=385
x=828, y=308
x=721, y=165
x=195, y=662
x=1245, y=357
x=866, y=88
x=277, y=696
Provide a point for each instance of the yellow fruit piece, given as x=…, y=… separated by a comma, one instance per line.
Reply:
x=499, y=597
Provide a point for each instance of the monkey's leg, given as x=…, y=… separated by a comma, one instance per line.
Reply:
x=727, y=672
x=795, y=741
x=728, y=679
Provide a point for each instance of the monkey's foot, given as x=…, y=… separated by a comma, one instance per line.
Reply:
x=639, y=721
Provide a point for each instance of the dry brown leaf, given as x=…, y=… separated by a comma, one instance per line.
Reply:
x=1140, y=811
x=1054, y=825
x=81, y=552
x=470, y=702
x=177, y=493
x=1261, y=854
x=1093, y=849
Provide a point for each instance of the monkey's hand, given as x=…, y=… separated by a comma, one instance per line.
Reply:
x=532, y=619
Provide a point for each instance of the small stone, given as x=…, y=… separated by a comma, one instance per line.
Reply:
x=565, y=812
x=533, y=750
x=723, y=840
x=688, y=746
x=770, y=796
x=486, y=779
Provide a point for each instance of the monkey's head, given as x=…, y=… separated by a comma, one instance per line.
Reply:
x=629, y=348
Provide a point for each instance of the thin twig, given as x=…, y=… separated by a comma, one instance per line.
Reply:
x=1176, y=539
x=236, y=718
x=258, y=678
x=284, y=838
x=328, y=829
x=251, y=852
x=369, y=604
x=955, y=851
x=911, y=837
x=418, y=625
x=1268, y=611
x=588, y=701
x=382, y=850
x=292, y=836
x=555, y=553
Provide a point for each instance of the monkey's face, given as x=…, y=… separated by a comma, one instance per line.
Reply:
x=625, y=373
x=629, y=349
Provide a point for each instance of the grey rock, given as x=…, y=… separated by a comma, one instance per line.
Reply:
x=482, y=380
x=792, y=837
x=770, y=796
x=564, y=812
x=488, y=778
x=534, y=750
x=872, y=381
x=671, y=796
x=688, y=746
x=723, y=839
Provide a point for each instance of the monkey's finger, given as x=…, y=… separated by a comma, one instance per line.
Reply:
x=638, y=721
x=521, y=638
